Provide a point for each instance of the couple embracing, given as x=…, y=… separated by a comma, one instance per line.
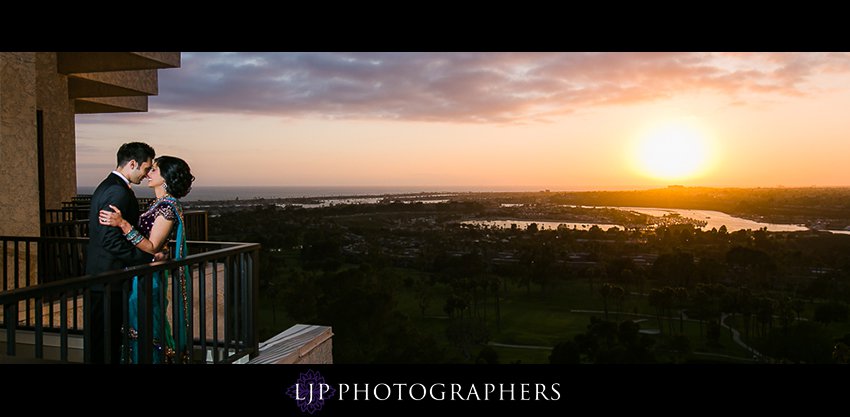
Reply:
x=121, y=237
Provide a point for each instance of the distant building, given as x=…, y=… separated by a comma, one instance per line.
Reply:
x=40, y=92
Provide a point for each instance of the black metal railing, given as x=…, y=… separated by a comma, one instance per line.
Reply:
x=197, y=227
x=66, y=214
x=72, y=220
x=82, y=198
x=73, y=228
x=29, y=261
x=77, y=201
x=223, y=292
x=197, y=224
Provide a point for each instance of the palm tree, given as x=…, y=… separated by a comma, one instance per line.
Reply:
x=656, y=300
x=628, y=277
x=797, y=306
x=681, y=295
x=495, y=283
x=591, y=274
x=783, y=307
x=668, y=295
x=605, y=292
x=700, y=304
x=764, y=314
x=745, y=305
x=618, y=294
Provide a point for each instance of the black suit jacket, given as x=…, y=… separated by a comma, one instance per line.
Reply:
x=108, y=249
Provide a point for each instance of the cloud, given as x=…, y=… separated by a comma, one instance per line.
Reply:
x=471, y=87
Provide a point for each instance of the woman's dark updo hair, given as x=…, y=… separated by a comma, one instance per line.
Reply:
x=176, y=174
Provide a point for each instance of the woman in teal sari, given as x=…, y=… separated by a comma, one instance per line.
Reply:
x=171, y=179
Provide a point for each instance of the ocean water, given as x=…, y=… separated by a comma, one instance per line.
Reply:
x=201, y=193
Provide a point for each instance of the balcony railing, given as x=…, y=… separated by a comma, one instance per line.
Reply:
x=67, y=221
x=66, y=214
x=197, y=226
x=82, y=198
x=73, y=228
x=223, y=294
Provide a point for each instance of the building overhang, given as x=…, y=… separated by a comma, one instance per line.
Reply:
x=82, y=62
x=113, y=82
x=111, y=105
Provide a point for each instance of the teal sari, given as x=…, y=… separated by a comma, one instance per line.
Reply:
x=164, y=346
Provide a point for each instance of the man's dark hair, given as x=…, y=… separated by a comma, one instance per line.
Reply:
x=134, y=151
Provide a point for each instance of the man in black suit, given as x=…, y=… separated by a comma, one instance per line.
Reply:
x=108, y=249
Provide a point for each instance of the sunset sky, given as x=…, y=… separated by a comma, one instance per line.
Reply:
x=542, y=120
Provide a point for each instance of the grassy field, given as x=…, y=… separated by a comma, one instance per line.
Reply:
x=544, y=318
x=535, y=317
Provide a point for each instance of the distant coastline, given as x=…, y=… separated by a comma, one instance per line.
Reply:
x=817, y=208
x=221, y=193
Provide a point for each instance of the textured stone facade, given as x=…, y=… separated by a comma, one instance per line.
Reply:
x=60, y=160
x=321, y=354
x=19, y=207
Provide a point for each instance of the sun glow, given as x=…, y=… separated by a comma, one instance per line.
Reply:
x=672, y=151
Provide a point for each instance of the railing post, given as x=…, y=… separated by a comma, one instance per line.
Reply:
x=202, y=308
x=244, y=312
x=17, y=272
x=87, y=338
x=237, y=278
x=228, y=309
x=27, y=282
x=206, y=225
x=63, y=327
x=10, y=318
x=125, y=323
x=39, y=328
x=254, y=272
x=189, y=310
x=144, y=343
x=107, y=324
x=215, y=310
x=161, y=299
x=175, y=311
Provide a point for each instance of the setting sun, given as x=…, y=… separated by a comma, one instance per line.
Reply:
x=672, y=151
